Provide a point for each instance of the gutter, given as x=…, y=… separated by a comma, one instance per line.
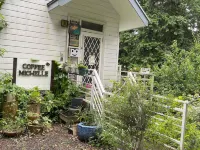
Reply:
x=139, y=10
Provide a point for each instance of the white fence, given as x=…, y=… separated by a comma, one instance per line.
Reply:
x=98, y=93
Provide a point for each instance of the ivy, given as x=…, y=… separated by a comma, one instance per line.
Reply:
x=3, y=24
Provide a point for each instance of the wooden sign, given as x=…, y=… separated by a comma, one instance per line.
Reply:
x=29, y=74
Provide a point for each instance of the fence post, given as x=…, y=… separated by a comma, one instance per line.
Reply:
x=184, y=117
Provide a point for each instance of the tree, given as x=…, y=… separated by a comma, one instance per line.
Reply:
x=180, y=73
x=169, y=20
x=3, y=24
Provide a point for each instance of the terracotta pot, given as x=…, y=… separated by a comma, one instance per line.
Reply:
x=32, y=118
x=68, y=119
x=34, y=108
x=10, y=109
x=10, y=97
x=35, y=129
x=13, y=133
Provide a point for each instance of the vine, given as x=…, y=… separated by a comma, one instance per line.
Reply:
x=3, y=24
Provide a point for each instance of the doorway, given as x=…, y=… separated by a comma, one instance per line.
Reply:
x=91, y=56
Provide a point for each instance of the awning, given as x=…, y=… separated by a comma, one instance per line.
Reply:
x=131, y=14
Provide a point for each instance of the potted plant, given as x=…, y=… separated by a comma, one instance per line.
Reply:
x=88, y=128
x=32, y=116
x=12, y=128
x=10, y=104
x=83, y=70
x=35, y=100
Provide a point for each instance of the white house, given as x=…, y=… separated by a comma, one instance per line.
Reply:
x=34, y=31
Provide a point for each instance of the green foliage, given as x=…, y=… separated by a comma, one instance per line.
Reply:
x=64, y=90
x=10, y=125
x=34, y=95
x=169, y=20
x=82, y=66
x=168, y=127
x=180, y=73
x=86, y=116
x=3, y=24
x=126, y=119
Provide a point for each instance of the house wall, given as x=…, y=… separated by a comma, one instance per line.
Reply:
x=34, y=33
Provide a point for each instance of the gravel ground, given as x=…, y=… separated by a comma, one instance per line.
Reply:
x=57, y=139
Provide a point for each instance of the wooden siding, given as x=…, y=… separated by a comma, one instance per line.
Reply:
x=35, y=33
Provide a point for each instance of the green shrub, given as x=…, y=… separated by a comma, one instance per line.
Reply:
x=127, y=114
x=180, y=73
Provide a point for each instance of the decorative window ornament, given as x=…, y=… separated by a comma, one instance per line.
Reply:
x=74, y=28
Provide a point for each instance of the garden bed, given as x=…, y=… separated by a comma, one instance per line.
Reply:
x=57, y=139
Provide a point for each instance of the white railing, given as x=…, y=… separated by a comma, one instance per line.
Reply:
x=95, y=90
x=97, y=95
x=182, y=119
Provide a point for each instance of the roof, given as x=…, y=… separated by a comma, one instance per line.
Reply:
x=131, y=14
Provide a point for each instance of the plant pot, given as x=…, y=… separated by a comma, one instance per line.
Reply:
x=13, y=133
x=83, y=71
x=10, y=109
x=77, y=102
x=32, y=118
x=10, y=97
x=36, y=129
x=85, y=133
x=74, y=129
x=34, y=108
x=68, y=119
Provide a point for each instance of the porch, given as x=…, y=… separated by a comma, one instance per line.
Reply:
x=99, y=23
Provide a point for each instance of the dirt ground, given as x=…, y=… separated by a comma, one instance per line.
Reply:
x=57, y=139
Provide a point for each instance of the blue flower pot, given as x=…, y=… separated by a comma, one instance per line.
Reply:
x=85, y=133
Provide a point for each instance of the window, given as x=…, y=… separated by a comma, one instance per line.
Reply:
x=92, y=26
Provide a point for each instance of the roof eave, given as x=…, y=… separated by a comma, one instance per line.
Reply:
x=141, y=13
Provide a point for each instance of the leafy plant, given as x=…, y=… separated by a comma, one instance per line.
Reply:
x=31, y=114
x=10, y=125
x=179, y=75
x=3, y=24
x=169, y=20
x=48, y=102
x=35, y=96
x=126, y=116
x=87, y=116
x=64, y=90
x=46, y=122
x=82, y=66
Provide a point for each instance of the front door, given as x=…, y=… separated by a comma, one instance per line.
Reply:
x=92, y=53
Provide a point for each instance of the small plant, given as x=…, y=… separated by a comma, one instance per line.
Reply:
x=31, y=114
x=10, y=125
x=82, y=69
x=82, y=66
x=47, y=123
x=35, y=96
x=126, y=116
x=87, y=117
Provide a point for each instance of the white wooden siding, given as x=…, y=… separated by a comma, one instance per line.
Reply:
x=31, y=33
x=101, y=11
x=35, y=33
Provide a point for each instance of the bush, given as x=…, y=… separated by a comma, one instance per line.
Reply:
x=180, y=73
x=127, y=114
